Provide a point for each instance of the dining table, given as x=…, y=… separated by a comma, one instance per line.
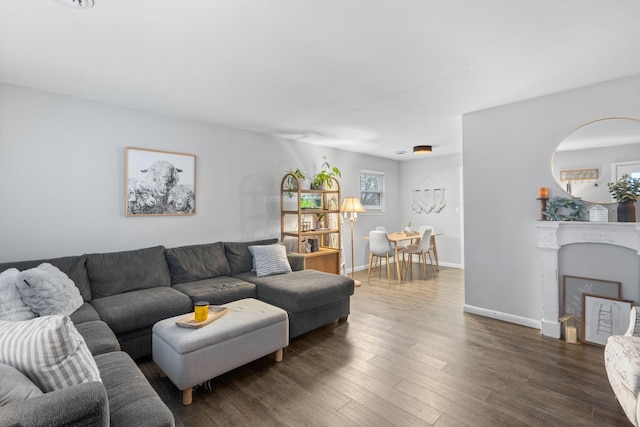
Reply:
x=401, y=236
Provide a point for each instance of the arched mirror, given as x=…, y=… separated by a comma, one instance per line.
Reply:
x=595, y=154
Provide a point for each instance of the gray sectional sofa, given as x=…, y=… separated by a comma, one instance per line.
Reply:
x=125, y=293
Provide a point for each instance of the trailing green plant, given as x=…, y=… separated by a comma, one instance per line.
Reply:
x=324, y=178
x=626, y=189
x=562, y=209
x=291, y=183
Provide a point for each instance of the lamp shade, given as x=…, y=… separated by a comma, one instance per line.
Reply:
x=422, y=149
x=351, y=204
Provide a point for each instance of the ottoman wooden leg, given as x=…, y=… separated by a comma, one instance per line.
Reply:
x=187, y=396
x=279, y=354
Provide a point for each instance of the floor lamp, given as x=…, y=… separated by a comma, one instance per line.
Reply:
x=350, y=208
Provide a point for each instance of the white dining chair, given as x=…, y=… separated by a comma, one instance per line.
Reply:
x=422, y=248
x=380, y=246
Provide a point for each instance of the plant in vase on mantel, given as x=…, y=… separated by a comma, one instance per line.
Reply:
x=625, y=191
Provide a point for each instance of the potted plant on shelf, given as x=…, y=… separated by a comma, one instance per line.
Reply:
x=625, y=191
x=319, y=223
x=291, y=184
x=324, y=178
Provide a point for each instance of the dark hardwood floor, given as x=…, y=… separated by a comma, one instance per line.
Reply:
x=409, y=356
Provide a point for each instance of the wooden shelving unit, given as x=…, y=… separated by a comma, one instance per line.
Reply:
x=300, y=209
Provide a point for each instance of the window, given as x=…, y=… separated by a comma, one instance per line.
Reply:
x=372, y=189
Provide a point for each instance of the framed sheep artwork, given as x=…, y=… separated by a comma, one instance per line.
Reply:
x=159, y=183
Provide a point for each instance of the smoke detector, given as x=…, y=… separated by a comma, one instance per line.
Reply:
x=76, y=4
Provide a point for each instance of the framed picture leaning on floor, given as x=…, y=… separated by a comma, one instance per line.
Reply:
x=603, y=317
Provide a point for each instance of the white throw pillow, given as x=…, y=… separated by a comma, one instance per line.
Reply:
x=49, y=350
x=47, y=290
x=11, y=305
x=270, y=259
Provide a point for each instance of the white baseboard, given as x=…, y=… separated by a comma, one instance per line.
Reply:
x=506, y=317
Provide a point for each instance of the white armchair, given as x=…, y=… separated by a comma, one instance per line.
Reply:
x=622, y=362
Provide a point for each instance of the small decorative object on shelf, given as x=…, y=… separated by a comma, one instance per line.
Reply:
x=561, y=209
x=598, y=213
x=305, y=226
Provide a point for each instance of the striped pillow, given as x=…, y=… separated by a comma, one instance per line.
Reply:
x=49, y=350
x=270, y=259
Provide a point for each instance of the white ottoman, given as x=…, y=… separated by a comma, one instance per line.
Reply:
x=250, y=330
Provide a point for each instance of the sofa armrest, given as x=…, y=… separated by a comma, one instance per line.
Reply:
x=81, y=405
x=633, y=321
x=296, y=261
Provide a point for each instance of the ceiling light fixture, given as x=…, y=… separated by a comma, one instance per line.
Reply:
x=422, y=149
x=77, y=4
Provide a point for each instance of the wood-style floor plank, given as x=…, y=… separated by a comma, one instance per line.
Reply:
x=409, y=356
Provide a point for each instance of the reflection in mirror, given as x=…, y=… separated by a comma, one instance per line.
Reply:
x=595, y=154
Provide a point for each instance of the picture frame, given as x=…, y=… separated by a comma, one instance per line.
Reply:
x=573, y=287
x=604, y=316
x=311, y=201
x=578, y=174
x=159, y=183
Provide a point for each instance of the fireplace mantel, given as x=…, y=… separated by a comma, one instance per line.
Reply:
x=552, y=235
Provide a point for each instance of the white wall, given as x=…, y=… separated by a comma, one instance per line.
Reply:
x=62, y=178
x=435, y=172
x=507, y=153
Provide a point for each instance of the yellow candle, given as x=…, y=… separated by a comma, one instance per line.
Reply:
x=201, y=311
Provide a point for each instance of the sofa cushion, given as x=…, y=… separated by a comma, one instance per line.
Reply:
x=47, y=290
x=138, y=309
x=72, y=266
x=270, y=259
x=196, y=262
x=15, y=386
x=117, y=272
x=218, y=290
x=99, y=337
x=11, y=305
x=49, y=350
x=301, y=290
x=132, y=400
x=86, y=313
x=239, y=257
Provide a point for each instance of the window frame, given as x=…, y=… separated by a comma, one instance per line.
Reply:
x=382, y=175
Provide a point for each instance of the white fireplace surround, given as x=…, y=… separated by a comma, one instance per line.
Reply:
x=552, y=235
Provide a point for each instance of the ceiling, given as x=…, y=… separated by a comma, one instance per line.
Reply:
x=370, y=76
